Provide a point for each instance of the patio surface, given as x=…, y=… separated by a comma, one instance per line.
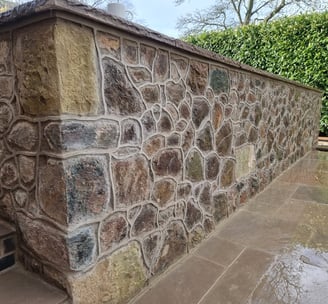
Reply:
x=274, y=250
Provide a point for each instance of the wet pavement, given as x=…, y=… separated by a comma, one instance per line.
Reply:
x=274, y=250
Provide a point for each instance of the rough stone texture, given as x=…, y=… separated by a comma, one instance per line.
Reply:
x=193, y=215
x=130, y=132
x=5, y=53
x=139, y=75
x=227, y=173
x=24, y=136
x=219, y=80
x=6, y=87
x=6, y=117
x=200, y=111
x=212, y=167
x=130, y=51
x=26, y=166
x=175, y=92
x=205, y=138
x=194, y=166
x=223, y=140
x=168, y=162
x=145, y=221
x=109, y=44
x=150, y=93
x=164, y=192
x=197, y=77
x=161, y=66
x=245, y=161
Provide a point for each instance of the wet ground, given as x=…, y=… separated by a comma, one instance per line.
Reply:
x=274, y=250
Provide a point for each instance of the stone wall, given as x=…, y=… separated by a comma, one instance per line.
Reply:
x=120, y=152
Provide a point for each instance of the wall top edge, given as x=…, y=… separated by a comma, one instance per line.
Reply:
x=28, y=10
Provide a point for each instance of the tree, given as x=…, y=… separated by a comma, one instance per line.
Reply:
x=230, y=13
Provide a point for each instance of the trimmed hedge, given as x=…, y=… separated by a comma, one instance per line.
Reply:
x=293, y=47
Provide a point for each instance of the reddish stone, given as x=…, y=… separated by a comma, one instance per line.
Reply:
x=153, y=145
x=185, y=111
x=223, y=140
x=150, y=93
x=168, y=162
x=200, y=111
x=109, y=44
x=164, y=192
x=197, y=77
x=146, y=220
x=175, y=92
x=139, y=75
x=165, y=124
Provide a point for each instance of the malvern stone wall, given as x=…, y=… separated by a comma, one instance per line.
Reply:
x=122, y=149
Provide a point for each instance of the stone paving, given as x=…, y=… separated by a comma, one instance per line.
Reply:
x=274, y=250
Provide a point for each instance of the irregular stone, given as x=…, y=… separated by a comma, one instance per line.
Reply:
x=82, y=247
x=6, y=86
x=172, y=110
x=173, y=140
x=180, y=209
x=131, y=132
x=212, y=166
x=205, y=198
x=181, y=125
x=209, y=225
x=181, y=63
x=184, y=191
x=193, y=215
x=147, y=55
x=174, y=72
x=258, y=115
x=245, y=112
x=245, y=161
x=150, y=93
x=161, y=66
x=227, y=173
x=270, y=140
x=166, y=215
x=146, y=220
x=251, y=98
x=197, y=77
x=175, y=92
x=204, y=138
x=153, y=145
x=24, y=136
x=66, y=135
x=21, y=198
x=223, y=140
x=151, y=246
x=131, y=180
x=228, y=109
x=168, y=162
x=164, y=192
x=220, y=203
x=127, y=151
x=120, y=96
x=253, y=135
x=6, y=117
x=113, y=230
x=185, y=111
x=26, y=167
x=139, y=75
x=148, y=124
x=5, y=53
x=156, y=111
x=9, y=173
x=194, y=166
x=174, y=246
x=217, y=115
x=188, y=138
x=109, y=44
x=130, y=51
x=196, y=236
x=114, y=280
x=200, y=111
x=219, y=80
x=241, y=139
x=7, y=208
x=165, y=123
x=209, y=95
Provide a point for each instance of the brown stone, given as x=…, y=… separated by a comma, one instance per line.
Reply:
x=146, y=220
x=9, y=173
x=205, y=198
x=131, y=180
x=258, y=115
x=165, y=123
x=217, y=115
x=7, y=208
x=204, y=138
x=195, y=236
x=181, y=63
x=193, y=215
x=212, y=166
x=153, y=145
x=227, y=173
x=147, y=55
x=223, y=139
x=113, y=230
x=220, y=204
x=24, y=136
x=139, y=75
x=164, y=192
x=26, y=167
x=188, y=138
x=181, y=125
x=131, y=132
x=173, y=140
x=197, y=77
x=6, y=117
x=5, y=53
x=168, y=162
x=150, y=93
x=165, y=216
x=200, y=111
x=6, y=86
x=184, y=191
x=185, y=111
x=148, y=124
x=270, y=140
x=130, y=51
x=161, y=66
x=194, y=166
x=173, y=111
x=109, y=44
x=151, y=246
x=253, y=135
x=21, y=198
x=175, y=92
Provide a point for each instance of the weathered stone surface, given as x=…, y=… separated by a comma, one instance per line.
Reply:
x=197, y=77
x=223, y=139
x=24, y=136
x=139, y=75
x=200, y=111
x=146, y=220
x=175, y=92
x=204, y=138
x=196, y=236
x=188, y=138
x=150, y=93
x=120, y=95
x=212, y=166
x=9, y=173
x=151, y=246
x=80, y=135
x=113, y=280
x=168, y=162
x=184, y=191
x=174, y=246
x=26, y=166
x=217, y=115
x=6, y=117
x=193, y=215
x=164, y=192
x=82, y=247
x=205, y=198
x=219, y=80
x=5, y=53
x=194, y=166
x=147, y=55
x=6, y=86
x=130, y=51
x=153, y=145
x=185, y=111
x=227, y=173
x=156, y=111
x=131, y=180
x=258, y=115
x=173, y=111
x=174, y=140
x=109, y=44
x=161, y=66
x=165, y=123
x=113, y=230
x=7, y=207
x=270, y=140
x=21, y=197
x=220, y=203
x=148, y=124
x=253, y=135
x=245, y=161
x=181, y=125
x=131, y=132
x=181, y=63
x=165, y=216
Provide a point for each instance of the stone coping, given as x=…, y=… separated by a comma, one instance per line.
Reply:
x=52, y=7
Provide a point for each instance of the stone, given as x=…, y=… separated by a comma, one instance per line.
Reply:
x=258, y=115
x=174, y=246
x=165, y=123
x=219, y=80
x=148, y=124
x=145, y=221
x=9, y=173
x=66, y=135
x=181, y=125
x=151, y=247
x=21, y=198
x=241, y=139
x=5, y=53
x=196, y=236
x=109, y=44
x=131, y=132
x=131, y=180
x=220, y=204
x=212, y=167
x=204, y=138
x=164, y=192
x=173, y=140
x=251, y=98
x=139, y=75
x=197, y=77
x=130, y=51
x=168, y=162
x=152, y=145
x=161, y=66
x=24, y=136
x=227, y=173
x=7, y=208
x=121, y=97
x=147, y=55
x=270, y=140
x=194, y=166
x=188, y=138
x=6, y=117
x=26, y=166
x=253, y=135
x=113, y=230
x=185, y=111
x=193, y=215
x=209, y=225
x=150, y=93
x=156, y=109
x=114, y=280
x=164, y=216
x=82, y=247
x=175, y=92
x=180, y=209
x=184, y=191
x=223, y=139
x=245, y=112
x=217, y=115
x=205, y=198
x=6, y=86
x=181, y=63
x=245, y=161
x=173, y=111
x=200, y=111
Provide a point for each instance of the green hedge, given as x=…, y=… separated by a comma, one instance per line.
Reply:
x=293, y=47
